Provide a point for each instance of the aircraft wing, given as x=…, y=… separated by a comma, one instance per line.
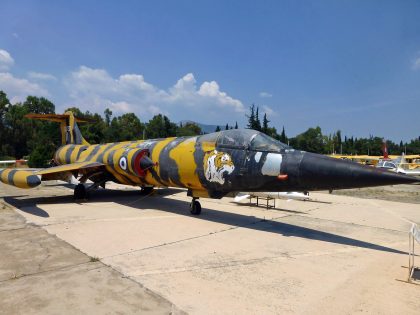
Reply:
x=64, y=171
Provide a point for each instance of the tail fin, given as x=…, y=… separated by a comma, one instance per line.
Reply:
x=385, y=150
x=70, y=132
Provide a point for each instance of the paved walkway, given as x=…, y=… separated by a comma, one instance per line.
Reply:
x=333, y=255
x=41, y=274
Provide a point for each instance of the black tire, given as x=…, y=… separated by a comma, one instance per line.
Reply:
x=80, y=192
x=195, y=207
x=146, y=190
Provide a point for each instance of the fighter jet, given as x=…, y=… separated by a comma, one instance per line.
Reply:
x=211, y=165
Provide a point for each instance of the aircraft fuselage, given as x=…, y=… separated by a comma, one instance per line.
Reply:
x=215, y=164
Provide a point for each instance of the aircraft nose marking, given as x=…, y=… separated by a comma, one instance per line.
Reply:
x=272, y=164
x=217, y=165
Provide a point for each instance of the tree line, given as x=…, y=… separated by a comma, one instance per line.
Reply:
x=21, y=137
x=313, y=140
x=37, y=140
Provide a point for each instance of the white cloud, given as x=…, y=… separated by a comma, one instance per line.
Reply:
x=211, y=90
x=268, y=110
x=6, y=61
x=416, y=64
x=131, y=92
x=121, y=107
x=18, y=89
x=265, y=95
x=41, y=76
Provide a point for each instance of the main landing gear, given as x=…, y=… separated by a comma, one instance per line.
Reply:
x=195, y=207
x=80, y=192
x=146, y=190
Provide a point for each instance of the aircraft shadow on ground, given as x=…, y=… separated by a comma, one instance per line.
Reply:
x=157, y=201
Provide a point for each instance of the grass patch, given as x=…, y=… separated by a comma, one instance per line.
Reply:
x=93, y=259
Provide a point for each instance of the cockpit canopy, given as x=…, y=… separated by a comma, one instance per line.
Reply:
x=245, y=139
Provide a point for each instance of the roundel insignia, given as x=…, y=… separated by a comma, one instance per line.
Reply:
x=123, y=163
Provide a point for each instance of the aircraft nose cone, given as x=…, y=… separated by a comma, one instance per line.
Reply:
x=322, y=172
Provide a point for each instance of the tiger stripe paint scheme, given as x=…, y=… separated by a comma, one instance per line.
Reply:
x=19, y=178
x=178, y=161
x=210, y=165
x=170, y=169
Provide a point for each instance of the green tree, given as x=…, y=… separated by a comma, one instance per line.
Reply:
x=257, y=120
x=160, y=127
x=108, y=115
x=17, y=131
x=311, y=140
x=265, y=124
x=251, y=117
x=283, y=137
x=39, y=105
x=125, y=128
x=217, y=129
x=46, y=136
x=413, y=147
x=23, y=136
x=4, y=104
x=189, y=129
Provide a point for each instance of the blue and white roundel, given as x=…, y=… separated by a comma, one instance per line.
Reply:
x=123, y=163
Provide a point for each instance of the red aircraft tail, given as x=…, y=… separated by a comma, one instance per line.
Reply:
x=385, y=150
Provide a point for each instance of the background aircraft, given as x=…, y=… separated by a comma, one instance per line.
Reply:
x=210, y=165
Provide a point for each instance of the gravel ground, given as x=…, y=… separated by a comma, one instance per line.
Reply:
x=399, y=193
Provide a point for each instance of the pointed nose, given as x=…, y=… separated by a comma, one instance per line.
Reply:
x=321, y=172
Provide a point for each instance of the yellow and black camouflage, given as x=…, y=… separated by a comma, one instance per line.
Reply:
x=210, y=165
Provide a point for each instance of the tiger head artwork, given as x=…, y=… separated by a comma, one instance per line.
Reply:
x=216, y=165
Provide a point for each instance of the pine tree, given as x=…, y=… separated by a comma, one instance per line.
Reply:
x=251, y=117
x=217, y=129
x=283, y=137
x=236, y=125
x=227, y=127
x=257, y=120
x=108, y=115
x=265, y=124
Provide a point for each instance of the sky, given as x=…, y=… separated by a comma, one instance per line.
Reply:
x=352, y=66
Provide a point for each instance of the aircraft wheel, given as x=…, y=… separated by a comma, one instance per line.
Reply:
x=195, y=207
x=146, y=190
x=80, y=192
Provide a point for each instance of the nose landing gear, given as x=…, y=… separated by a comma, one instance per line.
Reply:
x=195, y=207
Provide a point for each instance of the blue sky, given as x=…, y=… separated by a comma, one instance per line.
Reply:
x=349, y=65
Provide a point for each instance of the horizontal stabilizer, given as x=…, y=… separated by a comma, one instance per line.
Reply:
x=55, y=117
x=70, y=132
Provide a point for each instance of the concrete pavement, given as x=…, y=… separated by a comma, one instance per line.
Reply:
x=42, y=274
x=337, y=254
